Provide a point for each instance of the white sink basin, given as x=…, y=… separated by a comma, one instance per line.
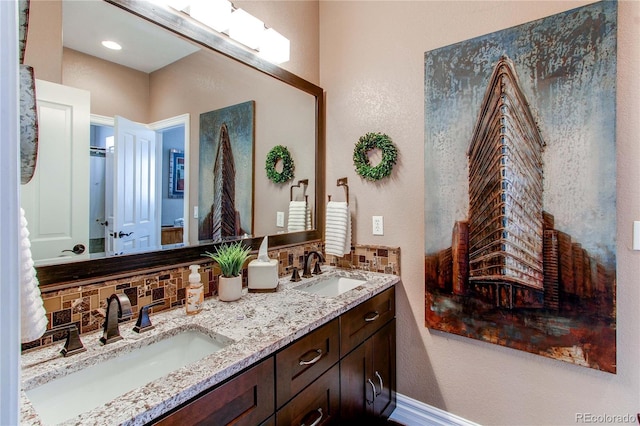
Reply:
x=330, y=286
x=84, y=390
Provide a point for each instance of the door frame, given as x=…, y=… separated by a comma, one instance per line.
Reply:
x=179, y=120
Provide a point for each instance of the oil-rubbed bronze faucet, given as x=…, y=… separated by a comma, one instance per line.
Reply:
x=118, y=309
x=307, y=264
x=73, y=344
x=144, y=322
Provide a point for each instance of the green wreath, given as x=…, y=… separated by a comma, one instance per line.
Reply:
x=279, y=153
x=361, y=158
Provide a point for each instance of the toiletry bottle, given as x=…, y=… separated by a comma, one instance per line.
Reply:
x=195, y=292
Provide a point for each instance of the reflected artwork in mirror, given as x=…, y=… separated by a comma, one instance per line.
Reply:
x=208, y=73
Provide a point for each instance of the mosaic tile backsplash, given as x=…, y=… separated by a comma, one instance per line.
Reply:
x=85, y=305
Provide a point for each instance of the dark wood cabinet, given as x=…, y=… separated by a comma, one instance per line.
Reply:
x=357, y=324
x=305, y=360
x=247, y=399
x=318, y=404
x=171, y=235
x=368, y=377
x=343, y=372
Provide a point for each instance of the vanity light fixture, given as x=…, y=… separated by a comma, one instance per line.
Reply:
x=246, y=28
x=225, y=18
x=274, y=47
x=110, y=44
x=215, y=14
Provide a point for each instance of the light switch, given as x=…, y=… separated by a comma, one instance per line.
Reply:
x=195, y=212
x=636, y=235
x=280, y=219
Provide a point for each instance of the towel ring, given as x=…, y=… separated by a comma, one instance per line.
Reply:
x=304, y=182
x=343, y=182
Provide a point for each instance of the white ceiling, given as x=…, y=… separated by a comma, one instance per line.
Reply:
x=145, y=46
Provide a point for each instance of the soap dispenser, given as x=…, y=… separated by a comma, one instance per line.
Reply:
x=195, y=292
x=262, y=273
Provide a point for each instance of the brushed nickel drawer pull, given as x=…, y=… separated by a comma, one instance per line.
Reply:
x=311, y=361
x=371, y=316
x=373, y=388
x=381, y=384
x=316, y=422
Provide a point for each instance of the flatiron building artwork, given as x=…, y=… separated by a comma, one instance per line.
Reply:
x=520, y=217
x=505, y=194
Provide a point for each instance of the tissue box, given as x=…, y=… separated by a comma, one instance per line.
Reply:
x=262, y=276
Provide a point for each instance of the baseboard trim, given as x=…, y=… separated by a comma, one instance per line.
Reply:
x=411, y=412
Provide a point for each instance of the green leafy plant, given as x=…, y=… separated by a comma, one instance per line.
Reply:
x=230, y=258
x=361, y=156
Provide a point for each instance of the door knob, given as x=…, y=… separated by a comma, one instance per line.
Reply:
x=124, y=234
x=77, y=249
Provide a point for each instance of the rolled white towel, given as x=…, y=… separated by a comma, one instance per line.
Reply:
x=33, y=315
x=338, y=228
x=297, y=216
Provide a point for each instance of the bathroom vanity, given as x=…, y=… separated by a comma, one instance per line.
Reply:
x=289, y=357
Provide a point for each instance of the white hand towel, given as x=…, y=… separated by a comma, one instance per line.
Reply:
x=297, y=216
x=33, y=315
x=338, y=229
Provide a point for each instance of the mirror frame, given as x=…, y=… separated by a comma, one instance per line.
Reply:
x=54, y=277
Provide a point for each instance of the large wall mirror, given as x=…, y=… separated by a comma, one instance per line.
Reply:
x=143, y=122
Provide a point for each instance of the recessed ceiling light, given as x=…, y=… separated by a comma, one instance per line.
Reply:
x=111, y=45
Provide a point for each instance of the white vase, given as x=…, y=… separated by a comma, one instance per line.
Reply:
x=229, y=289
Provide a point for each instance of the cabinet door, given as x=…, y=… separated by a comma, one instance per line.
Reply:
x=245, y=400
x=368, y=382
x=356, y=393
x=384, y=369
x=318, y=404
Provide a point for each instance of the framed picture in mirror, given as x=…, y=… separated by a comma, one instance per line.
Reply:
x=176, y=174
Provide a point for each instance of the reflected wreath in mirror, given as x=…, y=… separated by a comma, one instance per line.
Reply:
x=281, y=154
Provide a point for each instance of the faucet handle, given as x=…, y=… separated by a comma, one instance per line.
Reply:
x=144, y=322
x=316, y=269
x=295, y=277
x=73, y=345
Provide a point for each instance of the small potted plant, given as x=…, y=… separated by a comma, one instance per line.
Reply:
x=230, y=258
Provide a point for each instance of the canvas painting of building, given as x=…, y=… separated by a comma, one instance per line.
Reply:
x=226, y=173
x=520, y=187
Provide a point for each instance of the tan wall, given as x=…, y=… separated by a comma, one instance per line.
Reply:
x=115, y=89
x=372, y=68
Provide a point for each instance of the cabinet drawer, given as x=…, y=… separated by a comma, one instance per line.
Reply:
x=244, y=400
x=318, y=404
x=362, y=321
x=306, y=359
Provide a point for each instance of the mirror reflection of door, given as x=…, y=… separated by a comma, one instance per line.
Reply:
x=131, y=198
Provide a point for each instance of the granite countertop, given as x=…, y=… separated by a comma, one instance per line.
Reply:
x=259, y=325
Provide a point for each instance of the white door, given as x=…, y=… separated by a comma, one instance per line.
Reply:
x=57, y=210
x=131, y=190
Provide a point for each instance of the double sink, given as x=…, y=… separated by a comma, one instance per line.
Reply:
x=139, y=364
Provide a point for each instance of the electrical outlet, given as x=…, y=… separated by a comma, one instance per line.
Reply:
x=378, y=225
x=280, y=219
